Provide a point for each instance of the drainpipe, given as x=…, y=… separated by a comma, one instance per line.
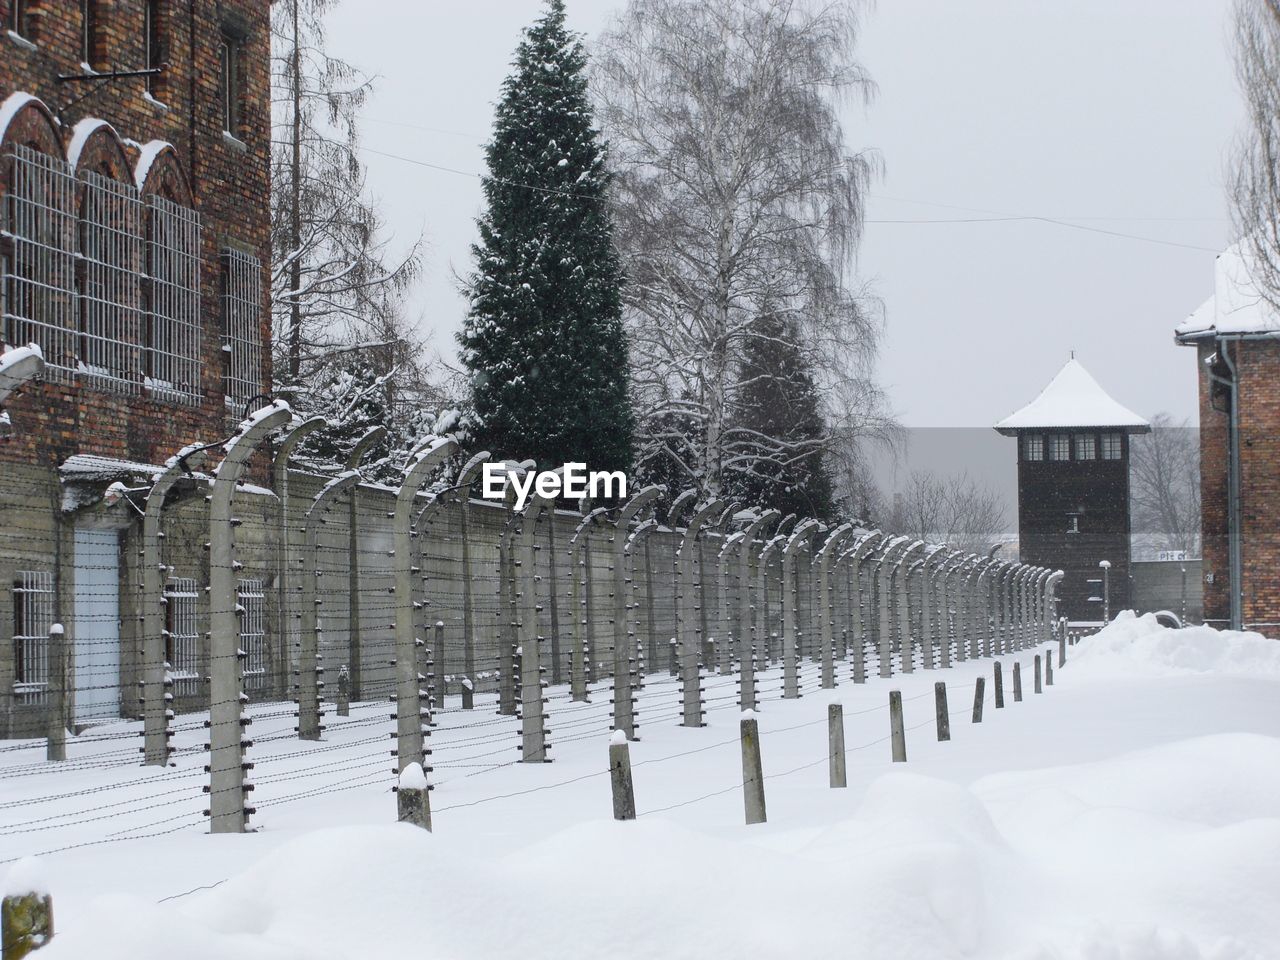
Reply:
x=1235, y=563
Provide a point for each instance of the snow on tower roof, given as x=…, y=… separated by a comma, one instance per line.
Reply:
x=1236, y=307
x=1073, y=399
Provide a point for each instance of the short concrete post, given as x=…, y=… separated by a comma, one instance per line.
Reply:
x=624, y=791
x=1062, y=649
x=344, y=691
x=673, y=657
x=26, y=913
x=897, y=734
x=56, y=692
x=835, y=730
x=752, y=771
x=979, y=694
x=999, y=686
x=413, y=798
x=1048, y=669
x=1039, y=688
x=940, y=708
x=1017, y=682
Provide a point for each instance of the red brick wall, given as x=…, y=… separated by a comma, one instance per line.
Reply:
x=230, y=184
x=1258, y=366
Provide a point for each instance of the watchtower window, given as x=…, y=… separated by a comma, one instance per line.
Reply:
x=1059, y=446
x=1112, y=446
x=1086, y=445
x=1032, y=446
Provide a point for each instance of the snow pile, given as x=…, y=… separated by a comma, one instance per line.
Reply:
x=1139, y=646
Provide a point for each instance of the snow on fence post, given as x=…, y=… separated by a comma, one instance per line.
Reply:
x=344, y=691
x=288, y=588
x=688, y=610
x=56, y=693
x=624, y=707
x=826, y=606
x=999, y=685
x=979, y=695
x=533, y=735
x=413, y=797
x=1017, y=682
x=940, y=709
x=580, y=602
x=746, y=622
x=790, y=597
x=835, y=744
x=866, y=546
x=462, y=495
x=309, y=670
x=157, y=688
x=1038, y=687
x=355, y=644
x=408, y=697
x=228, y=811
x=620, y=782
x=26, y=911
x=897, y=733
x=752, y=770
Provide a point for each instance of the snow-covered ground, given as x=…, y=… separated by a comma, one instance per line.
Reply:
x=1131, y=812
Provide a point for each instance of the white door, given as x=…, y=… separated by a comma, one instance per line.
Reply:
x=97, y=625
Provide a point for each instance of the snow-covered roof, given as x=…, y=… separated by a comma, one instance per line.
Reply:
x=1073, y=399
x=1236, y=307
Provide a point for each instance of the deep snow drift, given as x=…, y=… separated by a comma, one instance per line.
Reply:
x=1131, y=812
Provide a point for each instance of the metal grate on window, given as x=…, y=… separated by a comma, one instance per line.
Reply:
x=110, y=304
x=40, y=263
x=253, y=633
x=33, y=611
x=182, y=635
x=241, y=330
x=173, y=334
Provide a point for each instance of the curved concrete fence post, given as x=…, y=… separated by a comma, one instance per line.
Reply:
x=688, y=609
x=790, y=595
x=533, y=734
x=858, y=557
x=467, y=476
x=724, y=630
x=228, y=811
x=409, y=713
x=308, y=670
x=580, y=603
x=885, y=567
x=355, y=646
x=506, y=622
x=157, y=693
x=826, y=606
x=17, y=366
x=746, y=621
x=288, y=563
x=1050, y=599
x=977, y=607
x=928, y=599
x=902, y=605
x=624, y=718
x=1043, y=631
x=769, y=619
x=640, y=602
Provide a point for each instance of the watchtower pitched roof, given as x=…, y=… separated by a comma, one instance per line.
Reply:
x=1073, y=399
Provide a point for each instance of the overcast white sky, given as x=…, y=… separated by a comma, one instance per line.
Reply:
x=1114, y=114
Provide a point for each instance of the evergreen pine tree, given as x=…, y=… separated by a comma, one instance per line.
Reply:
x=544, y=343
x=779, y=399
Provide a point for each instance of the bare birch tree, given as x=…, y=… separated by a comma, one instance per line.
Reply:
x=736, y=199
x=955, y=510
x=334, y=283
x=1255, y=179
x=1164, y=485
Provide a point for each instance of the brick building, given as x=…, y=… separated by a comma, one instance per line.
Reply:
x=1237, y=340
x=134, y=251
x=1073, y=488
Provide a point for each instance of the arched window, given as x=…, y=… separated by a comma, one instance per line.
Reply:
x=37, y=247
x=171, y=331
x=109, y=318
